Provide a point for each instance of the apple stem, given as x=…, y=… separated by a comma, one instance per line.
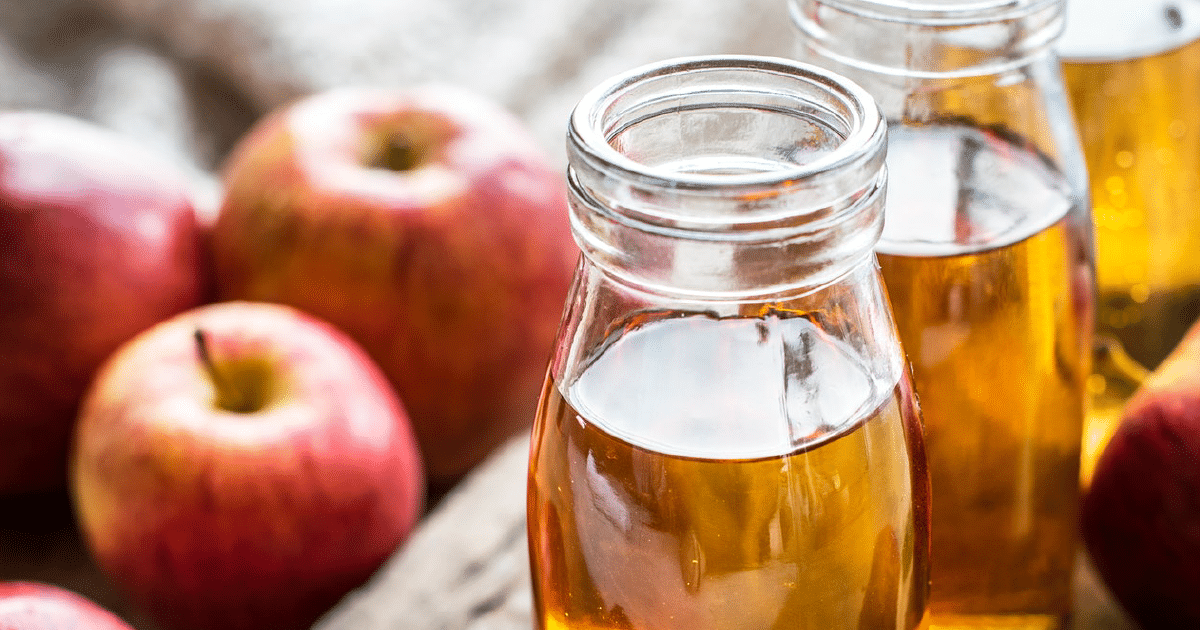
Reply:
x=225, y=387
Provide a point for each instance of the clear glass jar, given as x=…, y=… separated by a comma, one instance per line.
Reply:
x=1132, y=67
x=987, y=257
x=727, y=436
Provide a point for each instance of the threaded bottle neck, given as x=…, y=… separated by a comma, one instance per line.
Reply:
x=930, y=38
x=726, y=175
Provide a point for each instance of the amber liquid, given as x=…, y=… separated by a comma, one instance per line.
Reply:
x=1139, y=121
x=990, y=292
x=690, y=479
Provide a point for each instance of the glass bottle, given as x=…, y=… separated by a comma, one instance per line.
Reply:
x=727, y=436
x=1132, y=68
x=987, y=257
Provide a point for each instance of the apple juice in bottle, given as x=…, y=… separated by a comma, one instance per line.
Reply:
x=987, y=298
x=1131, y=67
x=986, y=255
x=727, y=437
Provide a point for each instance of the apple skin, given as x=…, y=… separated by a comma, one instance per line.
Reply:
x=450, y=269
x=38, y=606
x=263, y=518
x=1141, y=513
x=99, y=240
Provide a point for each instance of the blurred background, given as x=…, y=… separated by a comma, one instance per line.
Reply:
x=189, y=76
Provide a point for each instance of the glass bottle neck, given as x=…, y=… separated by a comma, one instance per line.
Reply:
x=726, y=177
x=988, y=65
x=929, y=39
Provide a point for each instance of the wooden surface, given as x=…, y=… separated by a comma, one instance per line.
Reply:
x=466, y=567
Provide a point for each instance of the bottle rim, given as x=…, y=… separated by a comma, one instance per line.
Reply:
x=589, y=131
x=674, y=184
x=943, y=12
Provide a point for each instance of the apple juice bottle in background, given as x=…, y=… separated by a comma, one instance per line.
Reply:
x=1132, y=70
x=727, y=437
x=987, y=258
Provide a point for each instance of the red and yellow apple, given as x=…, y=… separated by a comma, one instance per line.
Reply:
x=98, y=241
x=428, y=225
x=1141, y=513
x=38, y=606
x=242, y=466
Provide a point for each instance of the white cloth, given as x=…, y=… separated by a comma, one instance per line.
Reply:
x=189, y=76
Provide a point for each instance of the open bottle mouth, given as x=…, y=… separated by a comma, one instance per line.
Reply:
x=683, y=122
x=725, y=149
x=750, y=130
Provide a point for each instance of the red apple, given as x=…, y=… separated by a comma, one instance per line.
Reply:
x=242, y=466
x=425, y=223
x=37, y=606
x=98, y=241
x=1141, y=513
